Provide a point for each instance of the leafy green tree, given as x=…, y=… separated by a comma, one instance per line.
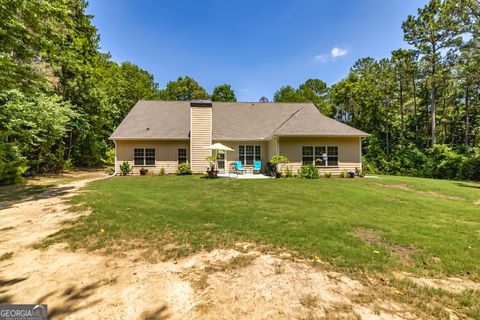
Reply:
x=433, y=29
x=184, y=89
x=313, y=90
x=223, y=93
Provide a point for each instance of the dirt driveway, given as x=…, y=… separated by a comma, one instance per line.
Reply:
x=222, y=284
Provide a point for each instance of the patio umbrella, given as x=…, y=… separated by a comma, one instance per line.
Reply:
x=219, y=147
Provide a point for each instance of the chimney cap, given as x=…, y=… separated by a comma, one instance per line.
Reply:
x=201, y=103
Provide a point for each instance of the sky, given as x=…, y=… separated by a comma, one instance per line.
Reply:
x=256, y=46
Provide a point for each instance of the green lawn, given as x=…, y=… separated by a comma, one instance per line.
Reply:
x=429, y=227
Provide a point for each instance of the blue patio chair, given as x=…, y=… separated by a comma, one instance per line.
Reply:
x=239, y=167
x=257, y=167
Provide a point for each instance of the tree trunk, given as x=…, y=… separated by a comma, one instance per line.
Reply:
x=387, y=132
x=434, y=124
x=415, y=107
x=402, y=132
x=467, y=119
x=70, y=141
x=444, y=125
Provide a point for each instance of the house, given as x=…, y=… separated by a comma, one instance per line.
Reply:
x=163, y=134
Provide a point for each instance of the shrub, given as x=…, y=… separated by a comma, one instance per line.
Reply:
x=288, y=172
x=110, y=171
x=109, y=158
x=125, y=168
x=343, y=174
x=328, y=175
x=309, y=171
x=162, y=172
x=358, y=173
x=470, y=169
x=281, y=161
x=184, y=169
x=143, y=171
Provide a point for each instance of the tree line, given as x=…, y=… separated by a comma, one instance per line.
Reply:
x=61, y=97
x=421, y=105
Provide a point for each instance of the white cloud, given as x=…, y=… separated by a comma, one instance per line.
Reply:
x=321, y=58
x=337, y=52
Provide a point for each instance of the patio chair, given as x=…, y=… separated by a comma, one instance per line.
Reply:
x=257, y=167
x=239, y=167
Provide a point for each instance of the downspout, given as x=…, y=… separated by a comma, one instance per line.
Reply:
x=360, y=149
x=115, y=163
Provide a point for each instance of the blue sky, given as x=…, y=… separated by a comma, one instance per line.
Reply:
x=255, y=46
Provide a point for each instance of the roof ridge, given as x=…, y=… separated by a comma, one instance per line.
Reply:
x=286, y=120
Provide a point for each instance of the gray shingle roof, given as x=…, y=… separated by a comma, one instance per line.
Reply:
x=231, y=120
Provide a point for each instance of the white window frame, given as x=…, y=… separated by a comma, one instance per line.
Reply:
x=145, y=157
x=257, y=156
x=317, y=155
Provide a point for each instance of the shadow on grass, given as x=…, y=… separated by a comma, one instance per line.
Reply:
x=473, y=185
x=44, y=192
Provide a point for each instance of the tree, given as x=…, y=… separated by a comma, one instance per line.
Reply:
x=312, y=90
x=263, y=99
x=184, y=89
x=223, y=93
x=434, y=29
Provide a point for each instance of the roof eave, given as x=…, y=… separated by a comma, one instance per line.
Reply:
x=362, y=135
x=148, y=138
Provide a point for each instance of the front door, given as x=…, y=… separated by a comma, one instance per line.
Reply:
x=221, y=161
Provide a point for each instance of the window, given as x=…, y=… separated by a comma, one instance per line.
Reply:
x=319, y=151
x=182, y=155
x=138, y=156
x=307, y=155
x=144, y=157
x=332, y=156
x=249, y=153
x=314, y=154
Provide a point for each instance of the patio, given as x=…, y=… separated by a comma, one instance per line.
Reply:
x=233, y=175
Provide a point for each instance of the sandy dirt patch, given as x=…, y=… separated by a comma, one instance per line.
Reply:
x=221, y=284
x=394, y=186
x=454, y=285
x=372, y=237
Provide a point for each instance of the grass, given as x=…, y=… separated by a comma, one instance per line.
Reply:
x=433, y=223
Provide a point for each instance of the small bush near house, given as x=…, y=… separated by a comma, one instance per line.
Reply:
x=183, y=169
x=288, y=172
x=343, y=174
x=143, y=171
x=328, y=175
x=110, y=171
x=358, y=173
x=309, y=171
x=125, y=168
x=162, y=172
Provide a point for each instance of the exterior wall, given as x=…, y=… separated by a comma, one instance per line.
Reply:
x=200, y=137
x=166, y=152
x=272, y=149
x=232, y=156
x=349, y=152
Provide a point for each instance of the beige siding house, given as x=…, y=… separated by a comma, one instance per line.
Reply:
x=163, y=134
